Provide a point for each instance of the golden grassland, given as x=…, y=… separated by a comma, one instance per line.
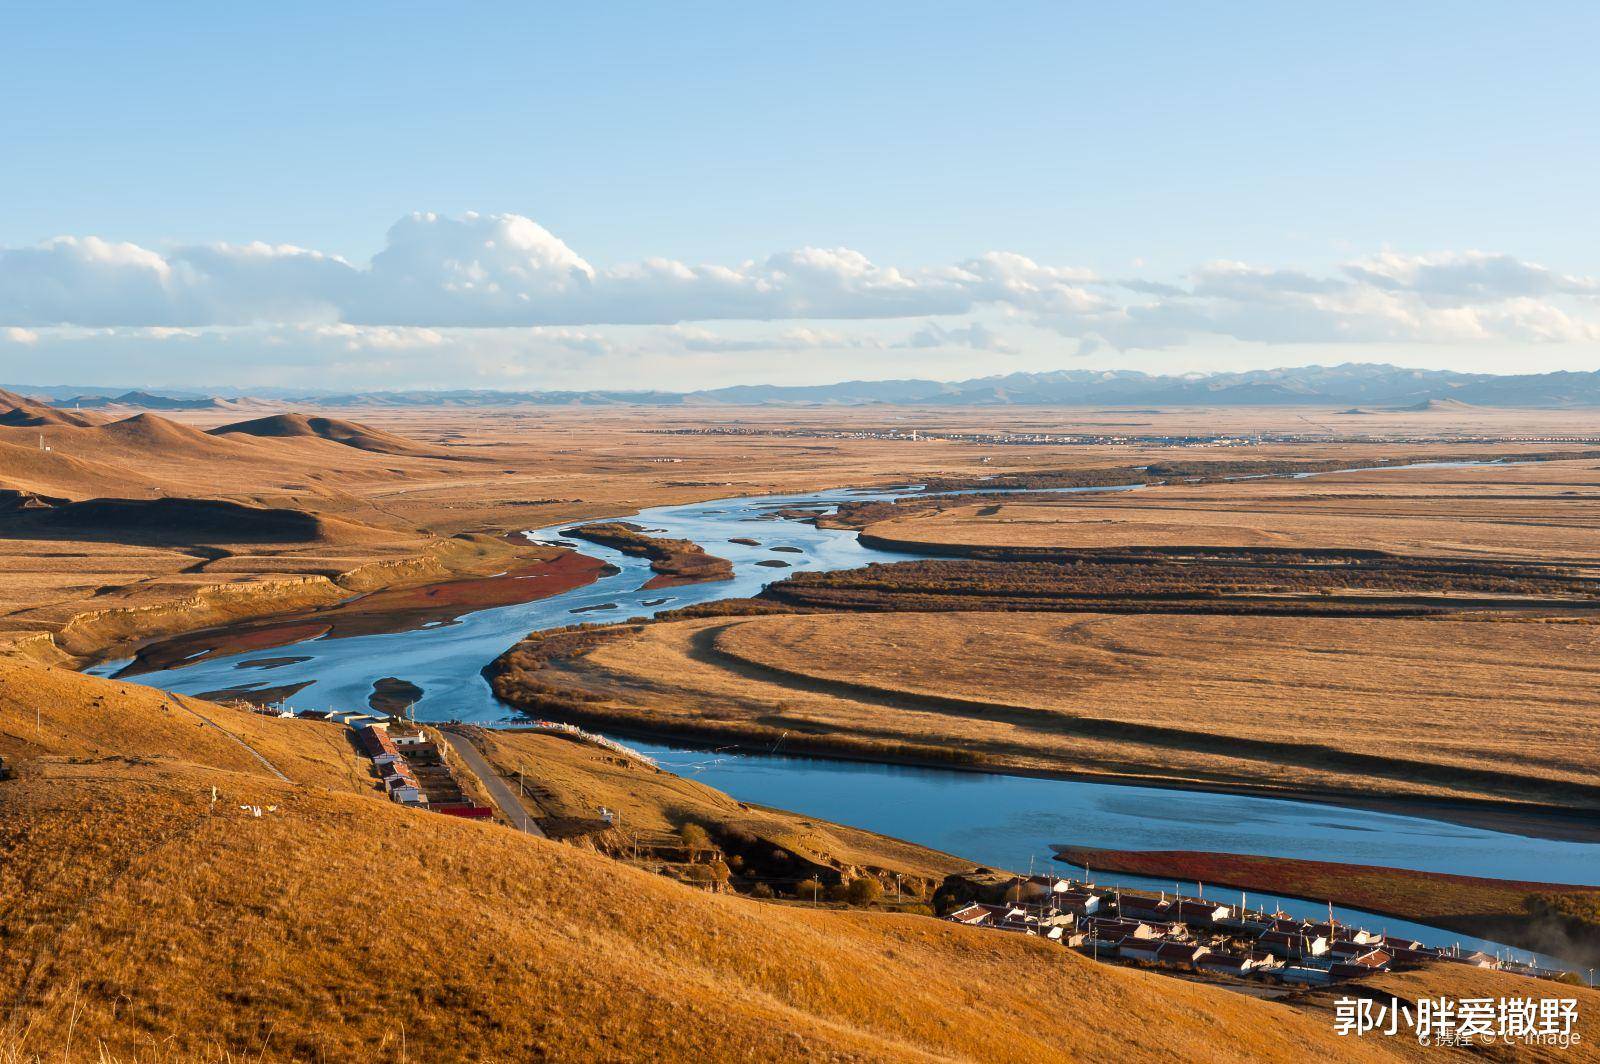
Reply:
x=384, y=517
x=1413, y=708
x=137, y=922
x=1548, y=511
x=564, y=778
x=50, y=713
x=380, y=518
x=340, y=928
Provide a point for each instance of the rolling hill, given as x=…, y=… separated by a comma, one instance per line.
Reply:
x=145, y=920
x=25, y=413
x=348, y=433
x=153, y=432
x=178, y=521
x=24, y=467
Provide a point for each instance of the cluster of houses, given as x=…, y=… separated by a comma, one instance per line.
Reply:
x=1195, y=934
x=399, y=780
x=412, y=770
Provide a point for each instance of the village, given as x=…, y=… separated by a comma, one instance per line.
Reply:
x=1198, y=935
x=1113, y=439
x=408, y=762
x=1193, y=936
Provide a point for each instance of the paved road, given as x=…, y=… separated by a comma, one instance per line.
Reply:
x=503, y=795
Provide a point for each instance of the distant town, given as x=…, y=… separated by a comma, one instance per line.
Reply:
x=1197, y=934
x=1088, y=439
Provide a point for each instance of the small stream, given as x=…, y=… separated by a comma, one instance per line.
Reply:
x=995, y=819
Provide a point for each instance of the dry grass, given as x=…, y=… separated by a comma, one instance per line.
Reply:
x=515, y=469
x=502, y=471
x=1419, y=708
x=1548, y=511
x=50, y=713
x=568, y=779
x=139, y=923
x=140, y=926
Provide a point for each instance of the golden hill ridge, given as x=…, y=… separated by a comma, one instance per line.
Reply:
x=141, y=923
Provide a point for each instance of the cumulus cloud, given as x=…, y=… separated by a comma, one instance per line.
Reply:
x=1466, y=277
x=507, y=272
x=1454, y=298
x=488, y=270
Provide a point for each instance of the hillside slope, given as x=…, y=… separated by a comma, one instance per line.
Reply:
x=349, y=433
x=172, y=520
x=24, y=467
x=25, y=413
x=142, y=923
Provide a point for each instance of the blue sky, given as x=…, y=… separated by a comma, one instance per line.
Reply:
x=1100, y=143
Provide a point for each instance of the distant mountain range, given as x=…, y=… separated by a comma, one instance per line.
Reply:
x=1362, y=385
x=95, y=399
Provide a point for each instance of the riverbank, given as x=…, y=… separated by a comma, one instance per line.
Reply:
x=1510, y=911
x=535, y=572
x=1334, y=711
x=674, y=561
x=566, y=782
x=455, y=573
x=288, y=862
x=1001, y=819
x=1552, y=823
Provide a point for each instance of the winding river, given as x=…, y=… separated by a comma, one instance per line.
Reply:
x=999, y=820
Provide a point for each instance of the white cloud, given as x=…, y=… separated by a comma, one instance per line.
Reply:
x=1466, y=277
x=493, y=272
x=1445, y=298
x=1240, y=280
x=14, y=335
x=975, y=335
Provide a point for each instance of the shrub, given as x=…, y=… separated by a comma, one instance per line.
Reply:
x=710, y=874
x=1580, y=913
x=807, y=889
x=863, y=890
x=695, y=840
